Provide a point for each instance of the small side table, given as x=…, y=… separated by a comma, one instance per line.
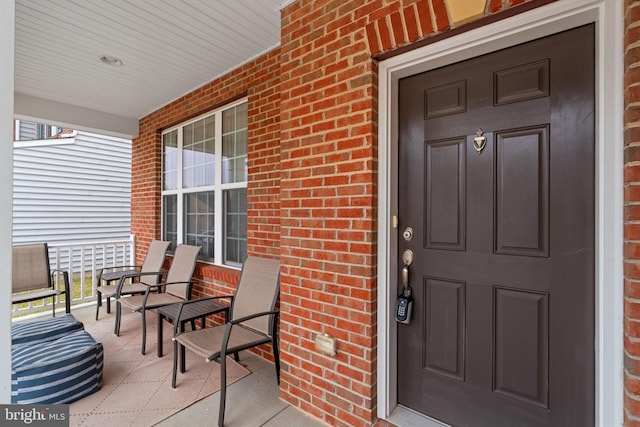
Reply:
x=190, y=312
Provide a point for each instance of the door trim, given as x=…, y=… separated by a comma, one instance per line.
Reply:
x=545, y=20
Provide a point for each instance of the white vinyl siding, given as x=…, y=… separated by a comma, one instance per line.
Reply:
x=72, y=189
x=26, y=130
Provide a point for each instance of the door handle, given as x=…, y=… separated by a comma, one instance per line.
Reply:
x=405, y=276
x=407, y=259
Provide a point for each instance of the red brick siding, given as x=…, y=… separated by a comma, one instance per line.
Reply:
x=259, y=79
x=632, y=214
x=328, y=152
x=145, y=191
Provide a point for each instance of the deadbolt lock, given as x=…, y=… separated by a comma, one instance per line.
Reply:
x=407, y=234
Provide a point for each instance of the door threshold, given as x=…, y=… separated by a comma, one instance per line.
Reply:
x=405, y=417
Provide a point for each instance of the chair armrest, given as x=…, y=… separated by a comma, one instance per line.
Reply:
x=67, y=288
x=232, y=323
x=252, y=316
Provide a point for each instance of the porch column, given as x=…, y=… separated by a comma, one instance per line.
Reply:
x=7, y=27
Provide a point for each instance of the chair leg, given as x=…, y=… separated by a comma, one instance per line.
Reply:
x=175, y=364
x=108, y=304
x=223, y=389
x=183, y=359
x=276, y=355
x=116, y=328
x=144, y=330
x=160, y=334
x=98, y=303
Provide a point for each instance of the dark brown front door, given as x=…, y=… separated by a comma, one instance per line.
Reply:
x=502, y=332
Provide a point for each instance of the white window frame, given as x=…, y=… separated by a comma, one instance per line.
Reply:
x=218, y=187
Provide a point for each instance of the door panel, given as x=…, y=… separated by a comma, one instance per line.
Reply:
x=522, y=192
x=521, y=359
x=445, y=195
x=503, y=273
x=444, y=326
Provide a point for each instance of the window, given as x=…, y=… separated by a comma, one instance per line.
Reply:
x=30, y=131
x=204, y=185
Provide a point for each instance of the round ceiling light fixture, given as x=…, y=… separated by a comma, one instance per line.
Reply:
x=111, y=60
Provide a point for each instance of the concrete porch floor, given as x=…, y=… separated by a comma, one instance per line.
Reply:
x=251, y=402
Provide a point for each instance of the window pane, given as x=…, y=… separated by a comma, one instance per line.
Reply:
x=234, y=144
x=241, y=169
x=198, y=131
x=228, y=120
x=209, y=128
x=170, y=160
x=241, y=116
x=235, y=219
x=241, y=143
x=170, y=220
x=198, y=154
x=228, y=145
x=199, y=210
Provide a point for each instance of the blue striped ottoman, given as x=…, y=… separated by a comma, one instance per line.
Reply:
x=59, y=371
x=42, y=330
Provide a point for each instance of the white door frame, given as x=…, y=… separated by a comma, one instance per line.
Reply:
x=545, y=20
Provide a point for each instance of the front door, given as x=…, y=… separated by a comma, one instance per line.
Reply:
x=496, y=181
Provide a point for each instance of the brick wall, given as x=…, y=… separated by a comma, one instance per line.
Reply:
x=328, y=242
x=632, y=213
x=328, y=193
x=259, y=80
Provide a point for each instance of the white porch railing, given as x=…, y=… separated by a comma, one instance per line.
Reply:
x=82, y=261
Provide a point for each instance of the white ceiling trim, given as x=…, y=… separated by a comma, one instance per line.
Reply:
x=31, y=108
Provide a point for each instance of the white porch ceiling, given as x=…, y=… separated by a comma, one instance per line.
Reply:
x=168, y=47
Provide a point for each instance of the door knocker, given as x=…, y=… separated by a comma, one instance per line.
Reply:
x=479, y=141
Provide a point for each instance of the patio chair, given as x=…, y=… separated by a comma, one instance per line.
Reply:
x=32, y=278
x=152, y=262
x=252, y=322
x=175, y=288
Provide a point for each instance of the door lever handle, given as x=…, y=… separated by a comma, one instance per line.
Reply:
x=407, y=259
x=405, y=276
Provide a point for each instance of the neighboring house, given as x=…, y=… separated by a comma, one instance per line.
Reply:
x=70, y=187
